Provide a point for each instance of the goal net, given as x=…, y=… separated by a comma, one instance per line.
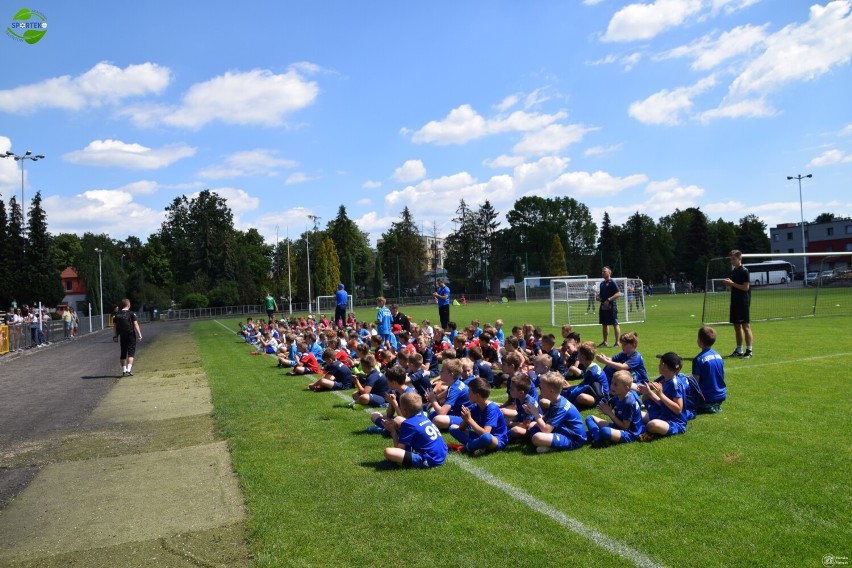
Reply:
x=575, y=301
x=538, y=287
x=327, y=304
x=824, y=290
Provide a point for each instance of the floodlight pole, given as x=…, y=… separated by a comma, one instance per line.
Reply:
x=27, y=156
x=100, y=286
x=800, y=177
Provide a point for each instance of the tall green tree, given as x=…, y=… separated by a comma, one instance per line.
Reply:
x=378, y=282
x=328, y=268
x=353, y=250
x=752, y=235
x=556, y=259
x=825, y=218
x=5, y=274
x=253, y=266
x=14, y=253
x=608, y=250
x=42, y=273
x=459, y=248
x=404, y=253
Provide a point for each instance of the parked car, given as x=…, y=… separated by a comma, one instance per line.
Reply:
x=811, y=278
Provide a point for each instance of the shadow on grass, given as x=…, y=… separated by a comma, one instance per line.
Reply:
x=381, y=465
x=88, y=377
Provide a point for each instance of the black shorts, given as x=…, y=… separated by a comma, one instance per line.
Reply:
x=608, y=316
x=739, y=313
x=128, y=345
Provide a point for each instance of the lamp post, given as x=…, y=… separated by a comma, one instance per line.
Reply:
x=800, y=177
x=100, y=285
x=27, y=156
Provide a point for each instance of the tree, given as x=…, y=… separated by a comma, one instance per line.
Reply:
x=608, y=243
x=752, y=235
x=42, y=273
x=486, y=225
x=403, y=252
x=378, y=276
x=556, y=259
x=328, y=268
x=6, y=276
x=459, y=248
x=825, y=218
x=353, y=249
x=253, y=266
x=14, y=253
x=65, y=247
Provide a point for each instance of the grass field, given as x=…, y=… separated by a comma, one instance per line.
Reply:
x=765, y=483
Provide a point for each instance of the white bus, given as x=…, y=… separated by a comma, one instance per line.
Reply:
x=769, y=272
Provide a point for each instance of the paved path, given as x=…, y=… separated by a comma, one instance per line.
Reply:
x=100, y=471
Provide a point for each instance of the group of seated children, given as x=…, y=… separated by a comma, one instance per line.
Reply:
x=400, y=373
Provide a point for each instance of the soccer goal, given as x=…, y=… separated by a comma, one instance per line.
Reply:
x=776, y=294
x=538, y=287
x=575, y=301
x=327, y=304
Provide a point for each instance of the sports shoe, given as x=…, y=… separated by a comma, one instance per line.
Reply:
x=647, y=437
x=479, y=452
x=376, y=429
x=352, y=404
x=455, y=447
x=736, y=354
x=601, y=344
x=747, y=354
x=129, y=373
x=542, y=449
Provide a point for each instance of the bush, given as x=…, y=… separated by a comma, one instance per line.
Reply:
x=195, y=300
x=224, y=294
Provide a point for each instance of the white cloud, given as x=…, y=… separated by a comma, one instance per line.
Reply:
x=551, y=139
x=626, y=61
x=601, y=150
x=464, y=124
x=504, y=161
x=115, y=153
x=536, y=174
x=370, y=184
x=102, y=84
x=364, y=201
x=372, y=223
x=507, y=103
x=256, y=97
x=113, y=211
x=669, y=195
x=730, y=6
x=592, y=2
x=846, y=131
x=667, y=107
x=297, y=177
x=583, y=184
x=9, y=176
x=248, y=163
x=411, y=170
x=645, y=21
x=748, y=108
x=141, y=187
x=829, y=158
x=800, y=52
x=433, y=194
x=709, y=51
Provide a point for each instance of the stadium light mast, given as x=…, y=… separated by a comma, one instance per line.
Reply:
x=800, y=177
x=100, y=285
x=27, y=156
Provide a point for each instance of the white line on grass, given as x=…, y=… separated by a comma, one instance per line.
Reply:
x=540, y=506
x=223, y=325
x=728, y=368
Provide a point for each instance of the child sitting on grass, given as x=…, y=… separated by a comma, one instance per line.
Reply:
x=337, y=374
x=624, y=412
x=629, y=359
x=396, y=388
x=307, y=363
x=374, y=388
x=417, y=442
x=522, y=394
x=595, y=384
x=449, y=412
x=561, y=428
x=708, y=369
x=482, y=427
x=666, y=414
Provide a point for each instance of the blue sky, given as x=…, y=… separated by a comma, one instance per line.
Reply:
x=290, y=109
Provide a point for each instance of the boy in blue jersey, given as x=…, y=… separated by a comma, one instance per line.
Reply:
x=416, y=442
x=374, y=387
x=624, y=412
x=595, y=385
x=448, y=413
x=396, y=388
x=561, y=428
x=337, y=374
x=384, y=322
x=483, y=427
x=417, y=376
x=666, y=414
x=548, y=346
x=522, y=395
x=629, y=359
x=708, y=369
x=481, y=367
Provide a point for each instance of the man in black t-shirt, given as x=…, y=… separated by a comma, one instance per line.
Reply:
x=738, y=284
x=126, y=328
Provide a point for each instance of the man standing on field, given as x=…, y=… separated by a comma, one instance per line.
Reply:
x=126, y=328
x=738, y=283
x=442, y=296
x=608, y=313
x=271, y=307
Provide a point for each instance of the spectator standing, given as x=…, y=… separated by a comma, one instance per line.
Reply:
x=442, y=295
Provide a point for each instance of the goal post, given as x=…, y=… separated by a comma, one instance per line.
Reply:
x=575, y=301
x=538, y=287
x=775, y=294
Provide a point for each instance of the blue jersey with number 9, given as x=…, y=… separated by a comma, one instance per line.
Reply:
x=421, y=436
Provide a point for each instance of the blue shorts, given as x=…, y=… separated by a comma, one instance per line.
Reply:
x=376, y=400
x=675, y=428
x=338, y=386
x=561, y=442
x=626, y=435
x=419, y=462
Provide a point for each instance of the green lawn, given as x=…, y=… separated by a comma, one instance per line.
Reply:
x=764, y=483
